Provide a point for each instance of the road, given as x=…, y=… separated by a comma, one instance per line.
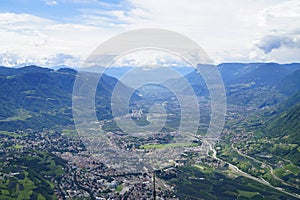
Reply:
x=260, y=162
x=206, y=141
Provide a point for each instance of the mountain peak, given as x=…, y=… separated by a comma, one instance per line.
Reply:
x=67, y=71
x=33, y=69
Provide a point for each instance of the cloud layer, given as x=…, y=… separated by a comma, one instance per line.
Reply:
x=272, y=42
x=244, y=31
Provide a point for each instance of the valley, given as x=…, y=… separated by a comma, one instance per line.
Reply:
x=256, y=156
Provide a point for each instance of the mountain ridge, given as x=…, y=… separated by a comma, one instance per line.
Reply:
x=36, y=97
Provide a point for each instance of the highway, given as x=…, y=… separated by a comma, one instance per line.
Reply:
x=209, y=143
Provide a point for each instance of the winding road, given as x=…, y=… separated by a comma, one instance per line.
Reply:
x=260, y=162
x=209, y=143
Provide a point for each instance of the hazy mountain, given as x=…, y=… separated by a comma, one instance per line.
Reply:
x=259, y=84
x=118, y=72
x=237, y=72
x=115, y=72
x=268, y=73
x=192, y=80
x=232, y=71
x=31, y=94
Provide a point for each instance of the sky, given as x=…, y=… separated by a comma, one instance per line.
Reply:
x=64, y=32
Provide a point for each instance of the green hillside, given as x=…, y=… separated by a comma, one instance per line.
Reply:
x=286, y=124
x=290, y=84
x=36, y=98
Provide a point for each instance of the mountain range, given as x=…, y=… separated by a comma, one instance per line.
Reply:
x=260, y=137
x=36, y=97
x=32, y=95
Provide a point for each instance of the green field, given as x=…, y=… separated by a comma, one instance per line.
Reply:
x=7, y=133
x=24, y=176
x=201, y=182
x=21, y=116
x=247, y=194
x=169, y=145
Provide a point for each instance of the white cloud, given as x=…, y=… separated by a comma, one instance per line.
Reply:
x=229, y=31
x=80, y=1
x=279, y=38
x=150, y=58
x=271, y=42
x=51, y=2
x=34, y=39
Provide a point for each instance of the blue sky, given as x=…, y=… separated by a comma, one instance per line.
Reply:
x=65, y=11
x=53, y=32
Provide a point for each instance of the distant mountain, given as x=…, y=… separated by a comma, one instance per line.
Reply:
x=183, y=70
x=291, y=66
x=232, y=71
x=267, y=74
x=32, y=96
x=255, y=74
x=5, y=71
x=36, y=97
x=261, y=72
x=118, y=72
x=194, y=81
x=259, y=84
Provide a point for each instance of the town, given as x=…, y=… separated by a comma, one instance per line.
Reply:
x=78, y=174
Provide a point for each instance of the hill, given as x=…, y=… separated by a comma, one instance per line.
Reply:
x=285, y=124
x=35, y=97
x=268, y=73
x=290, y=84
x=247, y=72
x=247, y=84
x=282, y=128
